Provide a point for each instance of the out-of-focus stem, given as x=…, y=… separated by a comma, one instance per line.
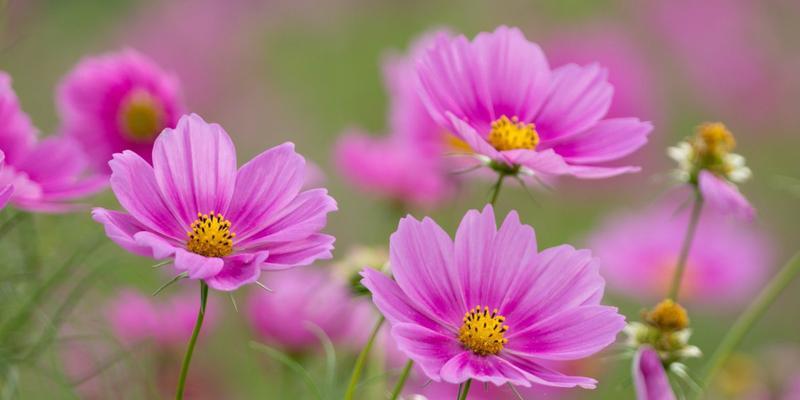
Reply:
x=355, y=376
x=694, y=219
x=750, y=316
x=401, y=381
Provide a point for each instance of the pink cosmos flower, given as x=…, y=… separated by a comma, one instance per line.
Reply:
x=216, y=223
x=135, y=317
x=313, y=299
x=499, y=95
x=46, y=174
x=407, y=164
x=649, y=376
x=727, y=264
x=115, y=102
x=488, y=305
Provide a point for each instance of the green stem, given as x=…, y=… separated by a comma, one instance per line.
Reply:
x=401, y=381
x=750, y=316
x=464, y=389
x=361, y=360
x=496, y=188
x=680, y=268
x=187, y=359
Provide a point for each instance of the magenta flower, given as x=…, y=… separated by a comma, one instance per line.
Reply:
x=649, y=376
x=499, y=95
x=216, y=223
x=313, y=299
x=406, y=165
x=488, y=306
x=726, y=267
x=135, y=317
x=46, y=174
x=115, y=102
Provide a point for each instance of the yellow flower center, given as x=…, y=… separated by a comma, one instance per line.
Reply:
x=141, y=116
x=715, y=138
x=482, y=332
x=211, y=236
x=668, y=316
x=511, y=134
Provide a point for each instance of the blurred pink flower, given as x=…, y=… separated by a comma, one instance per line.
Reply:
x=636, y=90
x=723, y=48
x=217, y=223
x=498, y=94
x=304, y=300
x=115, y=102
x=728, y=261
x=46, y=174
x=406, y=165
x=135, y=318
x=6, y=189
x=649, y=376
x=458, y=317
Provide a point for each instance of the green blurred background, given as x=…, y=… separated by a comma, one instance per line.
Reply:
x=303, y=71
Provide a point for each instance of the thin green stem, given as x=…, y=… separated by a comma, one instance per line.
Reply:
x=750, y=316
x=680, y=268
x=355, y=376
x=401, y=381
x=187, y=359
x=496, y=188
x=464, y=389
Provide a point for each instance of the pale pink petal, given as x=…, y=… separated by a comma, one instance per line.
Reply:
x=395, y=305
x=237, y=271
x=493, y=369
x=649, y=377
x=429, y=349
x=197, y=266
x=607, y=140
x=724, y=196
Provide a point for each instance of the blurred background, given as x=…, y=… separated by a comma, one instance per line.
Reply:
x=304, y=71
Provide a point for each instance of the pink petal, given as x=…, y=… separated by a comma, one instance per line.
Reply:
x=299, y=252
x=120, y=228
x=279, y=174
x=607, y=140
x=579, y=97
x=429, y=349
x=5, y=194
x=569, y=335
x=724, y=196
x=197, y=266
x=134, y=184
x=649, y=377
x=592, y=172
x=395, y=305
x=421, y=255
x=467, y=365
x=306, y=215
x=238, y=271
x=195, y=167
x=542, y=375
x=545, y=162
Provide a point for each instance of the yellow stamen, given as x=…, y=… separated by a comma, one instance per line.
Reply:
x=715, y=139
x=668, y=316
x=511, y=134
x=482, y=332
x=141, y=116
x=211, y=236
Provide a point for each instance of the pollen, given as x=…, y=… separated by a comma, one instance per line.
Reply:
x=211, y=236
x=141, y=116
x=715, y=138
x=482, y=332
x=511, y=134
x=667, y=316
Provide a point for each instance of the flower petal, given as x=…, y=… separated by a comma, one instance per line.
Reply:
x=299, y=252
x=237, y=271
x=607, y=140
x=542, y=375
x=197, y=266
x=592, y=172
x=467, y=365
x=568, y=335
x=394, y=304
x=545, y=162
x=305, y=216
x=120, y=228
x=649, y=377
x=264, y=186
x=429, y=349
x=724, y=196
x=134, y=184
x=421, y=256
x=195, y=167
x=578, y=98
